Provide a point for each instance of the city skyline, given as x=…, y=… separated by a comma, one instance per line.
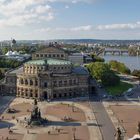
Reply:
x=66, y=19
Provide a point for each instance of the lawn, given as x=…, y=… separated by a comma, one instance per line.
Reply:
x=122, y=87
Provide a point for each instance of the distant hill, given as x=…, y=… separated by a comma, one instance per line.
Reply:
x=98, y=41
x=76, y=41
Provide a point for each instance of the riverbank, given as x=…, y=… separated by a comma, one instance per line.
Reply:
x=132, y=62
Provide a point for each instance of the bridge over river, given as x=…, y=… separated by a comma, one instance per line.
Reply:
x=115, y=51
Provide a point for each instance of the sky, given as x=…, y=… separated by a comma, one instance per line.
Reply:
x=69, y=19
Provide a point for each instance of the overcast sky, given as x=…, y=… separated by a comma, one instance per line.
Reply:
x=69, y=19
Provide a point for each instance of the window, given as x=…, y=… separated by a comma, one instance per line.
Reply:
x=31, y=82
x=62, y=55
x=21, y=81
x=41, y=55
x=36, y=83
x=70, y=82
x=54, y=83
x=26, y=82
x=65, y=83
x=60, y=83
x=58, y=55
x=53, y=55
x=74, y=81
x=45, y=84
x=37, y=55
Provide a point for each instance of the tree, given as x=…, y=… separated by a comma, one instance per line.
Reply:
x=97, y=69
x=119, y=67
x=137, y=74
x=110, y=79
x=1, y=74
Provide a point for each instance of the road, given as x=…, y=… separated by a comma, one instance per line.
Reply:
x=4, y=103
x=105, y=124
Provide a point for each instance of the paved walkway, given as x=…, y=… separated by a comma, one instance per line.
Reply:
x=90, y=122
x=106, y=126
x=90, y=119
x=4, y=103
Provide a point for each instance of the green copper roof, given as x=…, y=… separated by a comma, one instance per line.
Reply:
x=49, y=61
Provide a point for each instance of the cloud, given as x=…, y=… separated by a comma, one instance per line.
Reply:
x=67, y=7
x=42, y=9
x=82, y=28
x=72, y=1
x=119, y=26
x=66, y=29
x=22, y=12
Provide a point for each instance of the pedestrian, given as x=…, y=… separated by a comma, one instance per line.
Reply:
x=58, y=130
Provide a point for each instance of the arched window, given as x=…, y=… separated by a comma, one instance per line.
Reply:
x=31, y=82
x=36, y=93
x=36, y=83
x=26, y=82
x=31, y=94
x=45, y=84
x=21, y=81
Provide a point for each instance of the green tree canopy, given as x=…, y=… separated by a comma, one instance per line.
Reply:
x=97, y=69
x=136, y=73
x=119, y=67
x=110, y=79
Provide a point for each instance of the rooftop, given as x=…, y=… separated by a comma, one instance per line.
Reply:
x=49, y=61
x=80, y=70
x=50, y=50
x=16, y=71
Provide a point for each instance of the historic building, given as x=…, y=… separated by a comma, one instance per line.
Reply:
x=49, y=75
x=50, y=52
